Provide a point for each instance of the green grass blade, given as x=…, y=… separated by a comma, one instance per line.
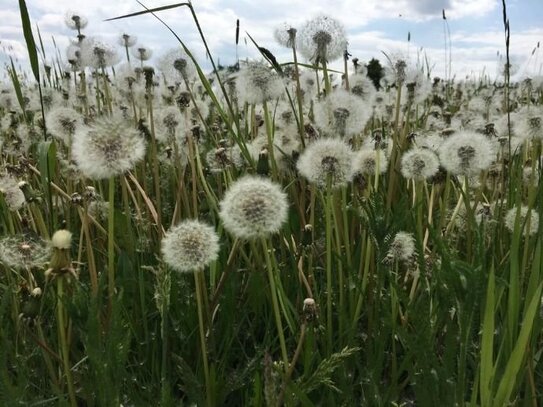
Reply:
x=151, y=10
x=17, y=86
x=42, y=48
x=47, y=153
x=29, y=38
x=487, y=344
x=514, y=364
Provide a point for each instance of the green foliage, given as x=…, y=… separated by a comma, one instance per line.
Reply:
x=323, y=312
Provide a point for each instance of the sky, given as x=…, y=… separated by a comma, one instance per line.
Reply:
x=373, y=27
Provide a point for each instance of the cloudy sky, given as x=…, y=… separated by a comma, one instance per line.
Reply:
x=372, y=26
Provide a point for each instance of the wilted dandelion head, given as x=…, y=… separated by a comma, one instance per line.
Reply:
x=96, y=53
x=341, y=114
x=322, y=39
x=63, y=122
x=107, y=148
x=21, y=252
x=253, y=207
x=467, y=153
x=256, y=83
x=327, y=161
x=190, y=246
x=527, y=226
x=419, y=164
x=75, y=20
x=370, y=162
x=402, y=247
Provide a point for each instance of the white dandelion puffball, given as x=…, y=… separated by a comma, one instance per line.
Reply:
x=341, y=114
x=370, y=162
x=327, y=160
x=419, y=164
x=467, y=153
x=97, y=53
x=321, y=39
x=402, y=247
x=257, y=83
x=62, y=122
x=530, y=226
x=253, y=207
x=190, y=246
x=107, y=148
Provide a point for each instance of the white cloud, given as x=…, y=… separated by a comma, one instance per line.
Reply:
x=218, y=20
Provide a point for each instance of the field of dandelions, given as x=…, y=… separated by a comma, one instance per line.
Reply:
x=270, y=233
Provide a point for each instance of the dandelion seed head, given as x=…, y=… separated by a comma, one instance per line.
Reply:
x=13, y=195
x=190, y=246
x=253, y=207
x=285, y=35
x=19, y=252
x=341, y=114
x=419, y=164
x=75, y=20
x=257, y=83
x=221, y=158
x=175, y=64
x=126, y=40
x=322, y=38
x=402, y=247
x=97, y=53
x=467, y=153
x=63, y=122
x=142, y=53
x=107, y=148
x=327, y=161
x=370, y=162
x=528, y=227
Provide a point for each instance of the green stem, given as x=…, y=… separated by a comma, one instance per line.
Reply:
x=203, y=345
x=275, y=304
x=328, y=220
x=63, y=341
x=111, y=240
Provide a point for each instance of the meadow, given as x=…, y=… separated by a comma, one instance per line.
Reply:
x=268, y=233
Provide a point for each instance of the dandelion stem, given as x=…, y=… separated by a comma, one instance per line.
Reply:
x=111, y=240
x=201, y=323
